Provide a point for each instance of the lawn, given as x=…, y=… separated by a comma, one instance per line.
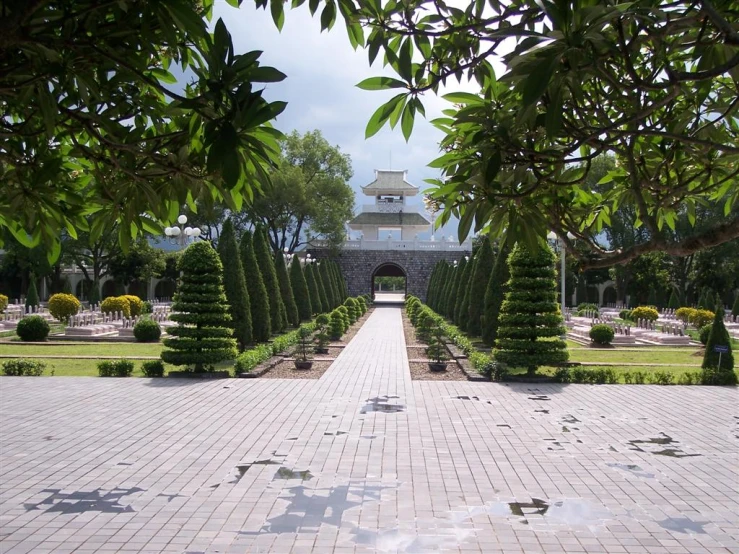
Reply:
x=89, y=349
x=643, y=355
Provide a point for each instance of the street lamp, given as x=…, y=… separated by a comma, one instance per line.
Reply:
x=179, y=234
x=555, y=240
x=288, y=257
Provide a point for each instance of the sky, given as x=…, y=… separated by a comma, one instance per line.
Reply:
x=322, y=72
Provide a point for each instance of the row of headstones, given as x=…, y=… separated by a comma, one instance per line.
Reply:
x=604, y=318
x=615, y=305
x=592, y=314
x=618, y=328
x=93, y=318
x=670, y=328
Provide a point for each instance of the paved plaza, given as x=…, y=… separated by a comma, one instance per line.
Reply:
x=366, y=460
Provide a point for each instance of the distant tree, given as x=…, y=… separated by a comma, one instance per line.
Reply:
x=530, y=320
x=315, y=296
x=494, y=295
x=652, y=298
x=202, y=337
x=94, y=298
x=448, y=286
x=719, y=336
x=258, y=299
x=320, y=285
x=451, y=299
x=478, y=287
x=444, y=274
x=328, y=287
x=32, y=294
x=300, y=290
x=266, y=265
x=286, y=290
x=674, y=301
x=735, y=308
x=462, y=303
x=432, y=284
x=140, y=263
x=235, y=286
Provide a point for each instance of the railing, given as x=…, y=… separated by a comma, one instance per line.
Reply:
x=364, y=244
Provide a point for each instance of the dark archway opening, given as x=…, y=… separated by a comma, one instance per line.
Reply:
x=389, y=283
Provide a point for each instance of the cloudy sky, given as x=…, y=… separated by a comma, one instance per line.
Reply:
x=322, y=72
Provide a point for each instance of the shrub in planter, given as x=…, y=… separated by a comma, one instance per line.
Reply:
x=601, y=334
x=345, y=316
x=147, y=330
x=719, y=336
x=701, y=318
x=202, y=337
x=136, y=305
x=116, y=304
x=684, y=314
x=362, y=303
x=336, y=325
x=116, y=368
x=21, y=367
x=353, y=309
x=436, y=350
x=3, y=303
x=32, y=329
x=62, y=306
x=703, y=333
x=301, y=356
x=322, y=336
x=153, y=368
x=645, y=312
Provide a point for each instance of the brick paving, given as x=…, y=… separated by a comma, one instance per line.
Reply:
x=366, y=460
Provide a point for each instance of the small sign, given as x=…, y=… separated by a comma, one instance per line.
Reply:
x=721, y=349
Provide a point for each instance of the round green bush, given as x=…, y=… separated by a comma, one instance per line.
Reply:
x=32, y=329
x=136, y=305
x=147, y=330
x=147, y=308
x=701, y=318
x=601, y=334
x=119, y=304
x=704, y=332
x=3, y=303
x=153, y=368
x=645, y=312
x=29, y=368
x=62, y=306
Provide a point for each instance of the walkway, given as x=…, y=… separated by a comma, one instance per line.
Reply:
x=365, y=460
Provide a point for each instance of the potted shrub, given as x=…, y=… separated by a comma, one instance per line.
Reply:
x=301, y=354
x=436, y=350
x=322, y=336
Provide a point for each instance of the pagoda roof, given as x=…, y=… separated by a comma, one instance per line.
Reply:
x=389, y=219
x=389, y=181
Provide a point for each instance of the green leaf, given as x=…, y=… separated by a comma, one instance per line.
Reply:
x=278, y=13
x=534, y=86
x=163, y=75
x=463, y=98
x=266, y=74
x=328, y=15
x=381, y=83
x=381, y=115
x=406, y=122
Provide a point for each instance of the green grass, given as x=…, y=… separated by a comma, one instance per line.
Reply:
x=88, y=368
x=646, y=356
x=122, y=349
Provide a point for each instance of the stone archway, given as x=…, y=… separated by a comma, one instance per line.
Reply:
x=392, y=270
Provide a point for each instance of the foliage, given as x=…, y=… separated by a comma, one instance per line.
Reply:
x=116, y=304
x=32, y=294
x=152, y=368
x=135, y=303
x=734, y=309
x=32, y=329
x=352, y=307
x=644, y=312
x=147, y=307
x=3, y=303
x=286, y=291
x=336, y=325
x=139, y=263
x=602, y=334
x=494, y=295
x=463, y=303
x=323, y=291
x=478, y=287
x=674, y=302
x=300, y=290
x=259, y=302
x=315, y=297
x=625, y=315
x=700, y=318
x=436, y=349
x=94, y=298
x=277, y=314
x=21, y=367
x=451, y=298
x=115, y=368
x=63, y=306
x=322, y=336
x=703, y=333
x=249, y=359
x=530, y=320
x=494, y=370
x=307, y=195
x=202, y=337
x=147, y=330
x=291, y=338
x=328, y=285
x=345, y=316
x=685, y=314
x=234, y=284
x=583, y=79
x=103, y=127
x=304, y=338
x=719, y=336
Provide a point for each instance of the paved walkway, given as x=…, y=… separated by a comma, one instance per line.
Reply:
x=366, y=460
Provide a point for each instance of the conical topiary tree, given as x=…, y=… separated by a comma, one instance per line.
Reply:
x=286, y=291
x=530, y=319
x=452, y=294
x=448, y=286
x=463, y=299
x=203, y=336
x=478, y=287
x=674, y=302
x=234, y=284
x=259, y=301
x=333, y=283
x=432, y=282
x=269, y=274
x=735, y=308
x=719, y=336
x=94, y=294
x=32, y=293
x=320, y=285
x=300, y=290
x=315, y=296
x=494, y=296
x=440, y=284
x=326, y=283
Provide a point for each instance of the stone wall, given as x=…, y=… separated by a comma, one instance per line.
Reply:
x=358, y=266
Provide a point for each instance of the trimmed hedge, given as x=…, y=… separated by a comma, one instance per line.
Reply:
x=153, y=368
x=248, y=360
x=32, y=329
x=21, y=367
x=115, y=368
x=602, y=334
x=644, y=312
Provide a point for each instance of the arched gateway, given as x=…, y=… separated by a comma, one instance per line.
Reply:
x=388, y=243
